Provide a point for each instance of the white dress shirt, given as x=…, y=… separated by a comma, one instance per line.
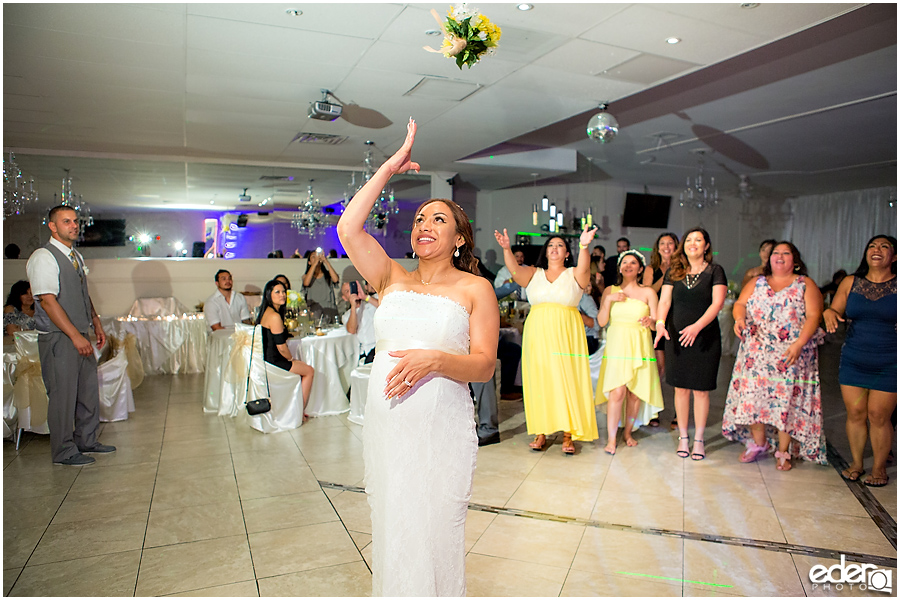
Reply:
x=43, y=270
x=219, y=310
x=365, y=326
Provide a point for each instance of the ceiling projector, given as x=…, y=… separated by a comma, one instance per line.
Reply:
x=324, y=111
x=244, y=197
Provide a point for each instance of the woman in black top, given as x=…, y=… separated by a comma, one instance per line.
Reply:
x=660, y=261
x=693, y=293
x=274, y=337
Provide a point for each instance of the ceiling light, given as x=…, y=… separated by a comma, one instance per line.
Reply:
x=673, y=40
x=603, y=127
x=432, y=32
x=525, y=6
x=294, y=12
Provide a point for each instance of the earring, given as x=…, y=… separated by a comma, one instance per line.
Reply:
x=796, y=268
x=413, y=253
x=456, y=254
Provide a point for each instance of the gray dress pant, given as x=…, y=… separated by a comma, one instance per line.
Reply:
x=485, y=394
x=73, y=414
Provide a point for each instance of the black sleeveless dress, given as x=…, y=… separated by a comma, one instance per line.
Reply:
x=657, y=275
x=270, y=352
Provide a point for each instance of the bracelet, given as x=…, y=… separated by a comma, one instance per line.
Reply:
x=660, y=322
x=582, y=246
x=367, y=298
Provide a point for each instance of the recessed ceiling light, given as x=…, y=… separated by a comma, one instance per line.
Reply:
x=294, y=12
x=432, y=32
x=749, y=4
x=525, y=6
x=673, y=40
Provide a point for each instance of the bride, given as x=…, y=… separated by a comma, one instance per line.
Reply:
x=436, y=330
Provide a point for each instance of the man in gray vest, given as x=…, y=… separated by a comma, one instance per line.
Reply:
x=63, y=315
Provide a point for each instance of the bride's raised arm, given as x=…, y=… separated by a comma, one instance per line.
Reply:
x=364, y=251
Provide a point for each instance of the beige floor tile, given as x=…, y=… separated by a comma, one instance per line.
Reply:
x=530, y=540
x=629, y=554
x=829, y=499
x=570, y=500
x=836, y=532
x=106, y=575
x=82, y=505
x=493, y=490
x=40, y=483
x=731, y=492
x=194, y=566
x=128, y=454
x=347, y=472
x=362, y=540
x=95, y=478
x=561, y=470
x=805, y=563
x=205, y=429
x=476, y=523
x=512, y=463
x=26, y=464
x=349, y=449
x=178, y=493
x=186, y=398
x=181, y=449
x=746, y=521
x=353, y=510
x=68, y=541
x=194, y=523
x=704, y=591
x=351, y=579
x=640, y=477
x=583, y=583
x=290, y=550
x=36, y=444
x=276, y=483
x=18, y=544
x=218, y=465
x=750, y=571
x=282, y=512
x=132, y=437
x=639, y=510
x=195, y=419
x=803, y=472
x=243, y=589
x=502, y=577
x=9, y=578
x=256, y=461
x=367, y=555
x=24, y=513
x=887, y=496
x=245, y=439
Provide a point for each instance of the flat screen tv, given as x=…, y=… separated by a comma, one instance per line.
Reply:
x=105, y=232
x=646, y=210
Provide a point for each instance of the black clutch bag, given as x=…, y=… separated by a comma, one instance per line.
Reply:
x=260, y=405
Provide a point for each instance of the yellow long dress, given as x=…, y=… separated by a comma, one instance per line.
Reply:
x=629, y=360
x=556, y=375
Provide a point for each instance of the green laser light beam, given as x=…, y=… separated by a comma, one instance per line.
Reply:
x=628, y=358
x=674, y=579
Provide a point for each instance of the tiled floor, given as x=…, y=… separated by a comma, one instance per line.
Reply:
x=197, y=505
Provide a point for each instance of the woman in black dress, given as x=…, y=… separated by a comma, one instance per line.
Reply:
x=693, y=293
x=274, y=337
x=660, y=261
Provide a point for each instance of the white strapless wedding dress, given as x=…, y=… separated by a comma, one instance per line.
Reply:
x=419, y=453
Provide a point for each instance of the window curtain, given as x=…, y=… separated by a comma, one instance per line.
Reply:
x=831, y=230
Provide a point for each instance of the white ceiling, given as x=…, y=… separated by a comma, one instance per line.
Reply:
x=176, y=105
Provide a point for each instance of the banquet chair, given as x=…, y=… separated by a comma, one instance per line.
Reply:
x=217, y=355
x=116, y=396
x=359, y=387
x=284, y=389
x=29, y=393
x=9, y=405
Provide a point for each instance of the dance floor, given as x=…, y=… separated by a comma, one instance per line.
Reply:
x=194, y=504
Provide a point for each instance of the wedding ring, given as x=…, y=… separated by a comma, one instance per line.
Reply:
x=407, y=383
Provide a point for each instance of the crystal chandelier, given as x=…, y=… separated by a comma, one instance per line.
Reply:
x=697, y=194
x=309, y=219
x=16, y=193
x=385, y=205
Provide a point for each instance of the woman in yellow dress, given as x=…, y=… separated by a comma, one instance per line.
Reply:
x=628, y=369
x=556, y=375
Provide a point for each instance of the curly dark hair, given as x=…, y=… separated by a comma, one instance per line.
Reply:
x=542, y=262
x=863, y=269
x=680, y=265
x=16, y=292
x=466, y=260
x=799, y=265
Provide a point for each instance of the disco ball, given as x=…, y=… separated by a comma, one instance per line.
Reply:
x=602, y=128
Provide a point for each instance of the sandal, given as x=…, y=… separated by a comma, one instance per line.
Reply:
x=872, y=479
x=654, y=422
x=852, y=474
x=683, y=453
x=568, y=447
x=752, y=452
x=783, y=460
x=673, y=425
x=540, y=440
x=699, y=455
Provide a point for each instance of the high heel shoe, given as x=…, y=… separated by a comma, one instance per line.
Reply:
x=568, y=447
x=683, y=453
x=699, y=455
x=783, y=460
x=540, y=440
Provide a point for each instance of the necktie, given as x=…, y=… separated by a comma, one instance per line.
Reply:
x=75, y=264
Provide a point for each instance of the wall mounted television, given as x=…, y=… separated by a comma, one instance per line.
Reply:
x=646, y=210
x=105, y=232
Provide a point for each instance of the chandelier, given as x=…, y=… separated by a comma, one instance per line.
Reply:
x=697, y=193
x=16, y=194
x=309, y=219
x=385, y=205
x=68, y=197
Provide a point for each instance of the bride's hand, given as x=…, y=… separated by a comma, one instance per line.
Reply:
x=502, y=238
x=401, y=161
x=412, y=367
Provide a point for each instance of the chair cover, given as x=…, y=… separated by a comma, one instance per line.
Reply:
x=157, y=307
x=9, y=406
x=284, y=390
x=116, y=398
x=359, y=387
x=595, y=360
x=217, y=356
x=30, y=395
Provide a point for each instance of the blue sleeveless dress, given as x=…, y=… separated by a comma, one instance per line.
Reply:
x=869, y=355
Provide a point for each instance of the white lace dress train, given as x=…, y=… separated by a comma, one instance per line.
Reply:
x=419, y=453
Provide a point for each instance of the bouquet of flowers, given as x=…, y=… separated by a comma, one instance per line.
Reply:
x=295, y=300
x=468, y=35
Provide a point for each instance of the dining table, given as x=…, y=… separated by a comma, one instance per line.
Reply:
x=333, y=355
x=170, y=344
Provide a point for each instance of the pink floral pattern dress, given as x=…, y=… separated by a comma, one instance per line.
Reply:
x=762, y=388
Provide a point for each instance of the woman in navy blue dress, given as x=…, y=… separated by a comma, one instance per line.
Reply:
x=868, y=372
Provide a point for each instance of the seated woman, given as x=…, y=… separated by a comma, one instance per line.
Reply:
x=274, y=337
x=18, y=312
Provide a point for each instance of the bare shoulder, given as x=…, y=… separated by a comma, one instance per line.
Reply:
x=475, y=287
x=9, y=308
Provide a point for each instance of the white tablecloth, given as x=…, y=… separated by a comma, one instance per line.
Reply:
x=166, y=346
x=9, y=378
x=219, y=344
x=333, y=356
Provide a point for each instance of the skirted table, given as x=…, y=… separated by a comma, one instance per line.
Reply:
x=167, y=345
x=334, y=357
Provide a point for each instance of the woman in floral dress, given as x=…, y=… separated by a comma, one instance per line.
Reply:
x=774, y=395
